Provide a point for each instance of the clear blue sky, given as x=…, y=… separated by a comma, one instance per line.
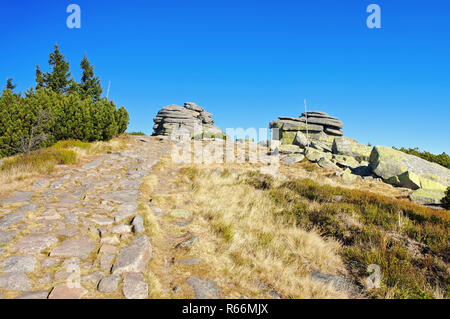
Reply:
x=248, y=62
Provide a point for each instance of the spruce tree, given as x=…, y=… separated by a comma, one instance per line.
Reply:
x=90, y=85
x=58, y=79
x=10, y=85
x=39, y=78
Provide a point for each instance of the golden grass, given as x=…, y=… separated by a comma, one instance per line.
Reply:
x=249, y=245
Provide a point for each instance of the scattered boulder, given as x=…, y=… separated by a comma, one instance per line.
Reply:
x=327, y=164
x=138, y=224
x=348, y=178
x=109, y=284
x=427, y=196
x=350, y=147
x=314, y=155
x=292, y=159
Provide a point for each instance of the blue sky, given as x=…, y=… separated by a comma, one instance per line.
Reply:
x=248, y=62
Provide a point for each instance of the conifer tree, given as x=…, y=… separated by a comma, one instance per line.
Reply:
x=39, y=78
x=58, y=79
x=90, y=85
x=10, y=85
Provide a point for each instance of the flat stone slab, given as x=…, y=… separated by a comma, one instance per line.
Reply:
x=19, y=197
x=102, y=221
x=135, y=286
x=19, y=264
x=6, y=236
x=109, y=284
x=125, y=196
x=34, y=295
x=125, y=211
x=203, y=289
x=66, y=292
x=190, y=261
x=133, y=258
x=93, y=278
x=12, y=219
x=188, y=242
x=15, y=281
x=74, y=248
x=34, y=244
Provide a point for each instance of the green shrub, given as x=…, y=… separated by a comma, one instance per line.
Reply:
x=446, y=200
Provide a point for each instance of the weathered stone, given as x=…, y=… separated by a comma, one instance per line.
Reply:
x=348, y=178
x=292, y=159
x=339, y=283
x=19, y=197
x=345, y=161
x=350, y=147
x=19, y=264
x=6, y=236
x=138, y=224
x=134, y=258
x=102, y=221
x=181, y=213
x=203, y=289
x=109, y=284
x=427, y=197
x=125, y=211
x=34, y=244
x=406, y=179
x=15, y=281
x=93, y=278
x=288, y=149
x=64, y=291
x=121, y=229
x=333, y=131
x=108, y=249
x=28, y=208
x=327, y=164
x=314, y=155
x=49, y=262
x=106, y=261
x=188, y=242
x=134, y=286
x=387, y=162
x=74, y=248
x=43, y=294
x=190, y=261
x=12, y=219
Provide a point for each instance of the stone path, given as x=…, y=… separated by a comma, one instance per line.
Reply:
x=79, y=235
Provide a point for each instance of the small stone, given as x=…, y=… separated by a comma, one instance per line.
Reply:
x=102, y=221
x=93, y=278
x=12, y=219
x=182, y=224
x=121, y=229
x=188, y=242
x=6, y=236
x=65, y=292
x=15, y=281
x=111, y=240
x=203, y=289
x=108, y=249
x=19, y=264
x=134, y=286
x=109, y=284
x=34, y=295
x=138, y=224
x=106, y=261
x=181, y=213
x=74, y=248
x=190, y=261
x=46, y=279
x=124, y=211
x=34, y=244
x=134, y=258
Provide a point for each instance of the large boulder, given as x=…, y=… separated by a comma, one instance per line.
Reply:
x=350, y=147
x=392, y=166
x=185, y=122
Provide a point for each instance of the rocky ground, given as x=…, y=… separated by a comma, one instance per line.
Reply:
x=79, y=235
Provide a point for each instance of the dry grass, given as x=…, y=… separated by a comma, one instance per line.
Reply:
x=248, y=245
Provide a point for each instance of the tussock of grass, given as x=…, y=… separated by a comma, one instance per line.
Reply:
x=247, y=244
x=408, y=241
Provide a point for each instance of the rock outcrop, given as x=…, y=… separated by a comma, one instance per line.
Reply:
x=188, y=121
x=429, y=180
x=319, y=125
